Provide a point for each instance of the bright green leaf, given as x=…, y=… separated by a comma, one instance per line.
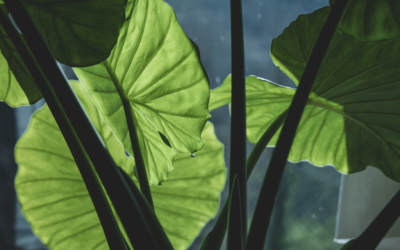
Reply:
x=371, y=20
x=265, y=101
x=222, y=95
x=79, y=33
x=56, y=203
x=352, y=119
x=161, y=75
x=17, y=87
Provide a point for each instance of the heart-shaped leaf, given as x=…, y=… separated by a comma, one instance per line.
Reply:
x=352, y=118
x=17, y=87
x=56, y=203
x=79, y=33
x=371, y=20
x=161, y=75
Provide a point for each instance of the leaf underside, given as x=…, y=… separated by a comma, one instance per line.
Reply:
x=352, y=118
x=56, y=203
x=162, y=77
x=371, y=20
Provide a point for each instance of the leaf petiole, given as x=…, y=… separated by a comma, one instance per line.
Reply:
x=141, y=170
x=110, y=226
x=214, y=239
x=266, y=199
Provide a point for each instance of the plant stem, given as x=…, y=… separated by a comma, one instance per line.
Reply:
x=110, y=226
x=139, y=231
x=238, y=121
x=263, y=142
x=234, y=242
x=378, y=228
x=269, y=189
x=141, y=170
x=214, y=239
x=145, y=206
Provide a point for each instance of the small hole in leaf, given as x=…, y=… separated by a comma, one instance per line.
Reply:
x=127, y=154
x=192, y=155
x=165, y=140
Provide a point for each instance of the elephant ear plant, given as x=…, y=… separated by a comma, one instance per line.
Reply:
x=125, y=157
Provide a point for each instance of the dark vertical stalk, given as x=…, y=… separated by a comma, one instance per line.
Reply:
x=378, y=228
x=103, y=209
x=233, y=241
x=238, y=121
x=8, y=169
x=141, y=170
x=214, y=239
x=138, y=229
x=269, y=189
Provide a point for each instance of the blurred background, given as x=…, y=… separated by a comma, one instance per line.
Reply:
x=305, y=212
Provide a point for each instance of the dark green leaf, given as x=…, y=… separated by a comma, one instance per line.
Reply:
x=371, y=20
x=79, y=33
x=17, y=87
x=352, y=118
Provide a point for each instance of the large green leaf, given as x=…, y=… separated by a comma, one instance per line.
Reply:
x=79, y=33
x=56, y=203
x=371, y=20
x=352, y=118
x=17, y=86
x=160, y=73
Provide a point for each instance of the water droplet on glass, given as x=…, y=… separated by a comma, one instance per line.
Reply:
x=313, y=216
x=192, y=155
x=217, y=79
x=320, y=208
x=222, y=38
x=259, y=15
x=195, y=38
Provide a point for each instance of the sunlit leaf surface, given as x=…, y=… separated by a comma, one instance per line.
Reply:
x=56, y=203
x=161, y=75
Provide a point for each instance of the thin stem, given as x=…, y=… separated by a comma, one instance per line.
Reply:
x=378, y=228
x=141, y=170
x=269, y=189
x=238, y=121
x=214, y=239
x=263, y=142
x=234, y=242
x=137, y=228
x=110, y=226
x=145, y=206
